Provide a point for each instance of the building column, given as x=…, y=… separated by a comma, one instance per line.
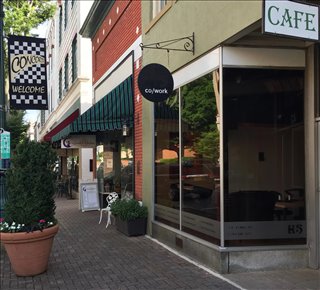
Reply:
x=312, y=195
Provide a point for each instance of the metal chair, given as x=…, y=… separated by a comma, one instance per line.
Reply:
x=112, y=197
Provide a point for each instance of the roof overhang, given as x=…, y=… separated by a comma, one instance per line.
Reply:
x=99, y=10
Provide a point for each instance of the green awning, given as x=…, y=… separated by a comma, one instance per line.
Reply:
x=110, y=113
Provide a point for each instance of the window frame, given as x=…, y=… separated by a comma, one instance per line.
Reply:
x=60, y=84
x=65, y=14
x=60, y=25
x=66, y=72
x=74, y=59
x=156, y=15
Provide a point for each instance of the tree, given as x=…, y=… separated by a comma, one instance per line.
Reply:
x=17, y=127
x=21, y=16
x=30, y=185
x=199, y=112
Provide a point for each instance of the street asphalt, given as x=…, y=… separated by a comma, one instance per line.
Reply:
x=86, y=255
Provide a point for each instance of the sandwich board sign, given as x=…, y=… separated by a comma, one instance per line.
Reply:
x=89, y=199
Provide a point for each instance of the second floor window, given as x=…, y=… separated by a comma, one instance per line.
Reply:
x=66, y=72
x=65, y=13
x=60, y=84
x=158, y=6
x=60, y=25
x=74, y=59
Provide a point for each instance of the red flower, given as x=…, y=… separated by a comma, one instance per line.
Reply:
x=42, y=221
x=1, y=220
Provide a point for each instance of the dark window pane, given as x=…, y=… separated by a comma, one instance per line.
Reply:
x=60, y=84
x=60, y=25
x=66, y=73
x=200, y=159
x=264, y=173
x=74, y=59
x=167, y=161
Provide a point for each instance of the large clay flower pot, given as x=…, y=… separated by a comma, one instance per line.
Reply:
x=29, y=252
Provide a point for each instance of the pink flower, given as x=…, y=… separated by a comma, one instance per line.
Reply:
x=1, y=220
x=42, y=221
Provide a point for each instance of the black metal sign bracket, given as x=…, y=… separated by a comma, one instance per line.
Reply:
x=188, y=44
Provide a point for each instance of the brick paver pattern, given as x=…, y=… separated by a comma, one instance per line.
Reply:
x=86, y=255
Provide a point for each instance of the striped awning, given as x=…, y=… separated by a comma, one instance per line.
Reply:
x=110, y=113
x=164, y=111
x=62, y=124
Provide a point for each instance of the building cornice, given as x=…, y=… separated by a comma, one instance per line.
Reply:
x=96, y=15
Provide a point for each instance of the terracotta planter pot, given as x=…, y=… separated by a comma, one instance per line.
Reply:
x=29, y=252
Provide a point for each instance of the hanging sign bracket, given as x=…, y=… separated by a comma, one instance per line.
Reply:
x=168, y=45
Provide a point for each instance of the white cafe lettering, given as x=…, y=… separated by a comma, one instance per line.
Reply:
x=291, y=18
x=21, y=61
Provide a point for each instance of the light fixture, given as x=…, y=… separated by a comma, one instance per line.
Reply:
x=125, y=130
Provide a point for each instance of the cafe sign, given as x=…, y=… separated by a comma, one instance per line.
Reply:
x=292, y=19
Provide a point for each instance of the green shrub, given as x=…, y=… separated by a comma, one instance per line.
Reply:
x=128, y=209
x=30, y=184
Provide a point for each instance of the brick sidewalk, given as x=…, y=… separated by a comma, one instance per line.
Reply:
x=86, y=255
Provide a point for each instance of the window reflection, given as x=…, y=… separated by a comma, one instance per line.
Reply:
x=196, y=189
x=167, y=161
x=115, y=164
x=264, y=156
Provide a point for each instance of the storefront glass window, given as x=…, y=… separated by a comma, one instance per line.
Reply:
x=264, y=166
x=167, y=206
x=73, y=171
x=187, y=166
x=200, y=159
x=115, y=163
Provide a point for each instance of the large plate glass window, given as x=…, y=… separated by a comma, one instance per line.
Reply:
x=264, y=163
x=167, y=206
x=187, y=165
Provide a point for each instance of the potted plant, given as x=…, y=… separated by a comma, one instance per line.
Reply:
x=131, y=216
x=29, y=225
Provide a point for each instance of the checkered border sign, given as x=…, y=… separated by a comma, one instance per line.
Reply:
x=27, y=73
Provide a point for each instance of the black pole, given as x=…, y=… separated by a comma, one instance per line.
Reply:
x=2, y=96
x=2, y=110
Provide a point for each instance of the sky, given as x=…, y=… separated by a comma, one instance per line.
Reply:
x=31, y=115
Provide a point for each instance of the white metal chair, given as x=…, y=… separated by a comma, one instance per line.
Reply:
x=112, y=197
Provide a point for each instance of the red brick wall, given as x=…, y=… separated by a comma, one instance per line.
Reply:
x=138, y=132
x=119, y=30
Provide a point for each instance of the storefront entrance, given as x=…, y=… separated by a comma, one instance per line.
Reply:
x=115, y=162
x=229, y=158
